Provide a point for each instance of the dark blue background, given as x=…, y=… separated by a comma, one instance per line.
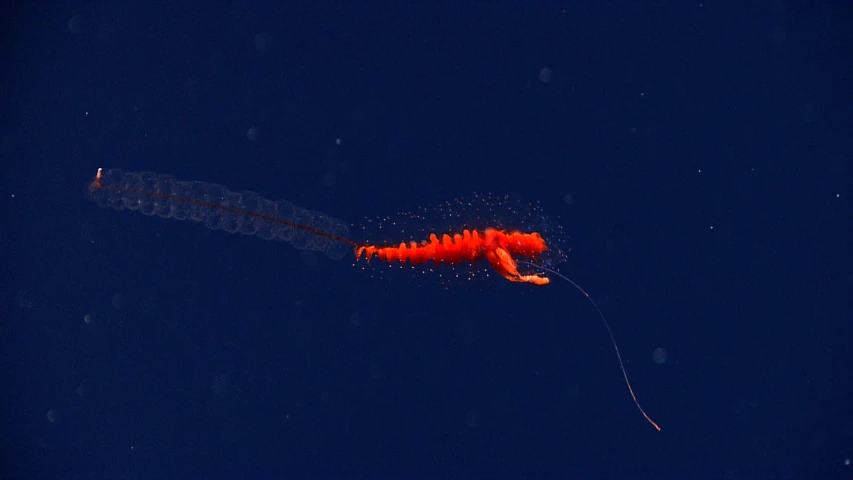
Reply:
x=707, y=149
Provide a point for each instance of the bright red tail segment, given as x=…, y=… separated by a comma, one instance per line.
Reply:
x=219, y=208
x=496, y=246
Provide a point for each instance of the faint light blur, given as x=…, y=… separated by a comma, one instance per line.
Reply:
x=221, y=385
x=472, y=418
x=119, y=301
x=375, y=371
x=262, y=42
x=75, y=24
x=659, y=356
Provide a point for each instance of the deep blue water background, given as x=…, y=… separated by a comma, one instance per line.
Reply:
x=707, y=151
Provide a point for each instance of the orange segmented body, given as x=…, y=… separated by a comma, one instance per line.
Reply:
x=497, y=246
